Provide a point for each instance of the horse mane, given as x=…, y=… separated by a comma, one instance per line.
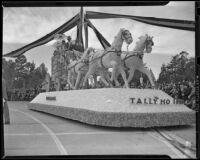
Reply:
x=142, y=39
x=117, y=37
x=140, y=43
x=85, y=53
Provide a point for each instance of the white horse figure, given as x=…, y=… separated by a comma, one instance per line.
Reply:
x=77, y=68
x=101, y=61
x=134, y=59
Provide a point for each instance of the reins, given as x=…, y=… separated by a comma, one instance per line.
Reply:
x=105, y=53
x=138, y=55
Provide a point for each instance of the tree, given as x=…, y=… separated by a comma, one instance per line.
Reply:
x=190, y=69
x=9, y=72
x=23, y=71
x=180, y=68
x=37, y=76
x=22, y=74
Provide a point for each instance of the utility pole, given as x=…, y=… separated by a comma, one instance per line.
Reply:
x=83, y=24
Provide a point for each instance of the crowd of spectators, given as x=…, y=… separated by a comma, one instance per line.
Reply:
x=23, y=94
x=184, y=91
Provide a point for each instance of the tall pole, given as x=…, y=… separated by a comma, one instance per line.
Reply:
x=82, y=17
x=81, y=25
x=86, y=31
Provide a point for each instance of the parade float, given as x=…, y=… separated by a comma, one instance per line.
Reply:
x=109, y=106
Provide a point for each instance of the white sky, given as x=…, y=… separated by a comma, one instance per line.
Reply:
x=23, y=25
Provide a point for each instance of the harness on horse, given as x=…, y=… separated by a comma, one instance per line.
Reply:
x=140, y=56
x=137, y=53
x=72, y=66
x=85, y=61
x=106, y=52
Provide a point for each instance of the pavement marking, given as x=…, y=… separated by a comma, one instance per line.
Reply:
x=51, y=133
x=178, y=138
x=175, y=150
x=69, y=133
x=185, y=146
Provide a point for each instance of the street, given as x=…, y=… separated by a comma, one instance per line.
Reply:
x=35, y=133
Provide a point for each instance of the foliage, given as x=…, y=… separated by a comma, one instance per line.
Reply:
x=9, y=71
x=37, y=76
x=180, y=68
x=22, y=74
x=23, y=70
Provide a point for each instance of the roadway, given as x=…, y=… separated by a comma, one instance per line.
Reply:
x=36, y=133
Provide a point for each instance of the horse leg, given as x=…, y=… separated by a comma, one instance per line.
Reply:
x=123, y=73
x=117, y=84
x=81, y=81
x=73, y=81
x=90, y=71
x=145, y=71
x=103, y=78
x=131, y=74
x=109, y=80
x=106, y=79
x=95, y=81
x=115, y=69
x=69, y=80
x=78, y=80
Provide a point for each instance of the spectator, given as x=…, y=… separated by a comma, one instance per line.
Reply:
x=192, y=91
x=191, y=97
x=184, y=90
x=5, y=99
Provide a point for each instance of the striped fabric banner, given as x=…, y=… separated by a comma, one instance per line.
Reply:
x=171, y=23
x=86, y=34
x=79, y=36
x=62, y=29
x=101, y=39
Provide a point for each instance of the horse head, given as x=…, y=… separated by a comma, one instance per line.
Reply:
x=149, y=43
x=86, y=55
x=144, y=43
x=123, y=35
x=126, y=35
